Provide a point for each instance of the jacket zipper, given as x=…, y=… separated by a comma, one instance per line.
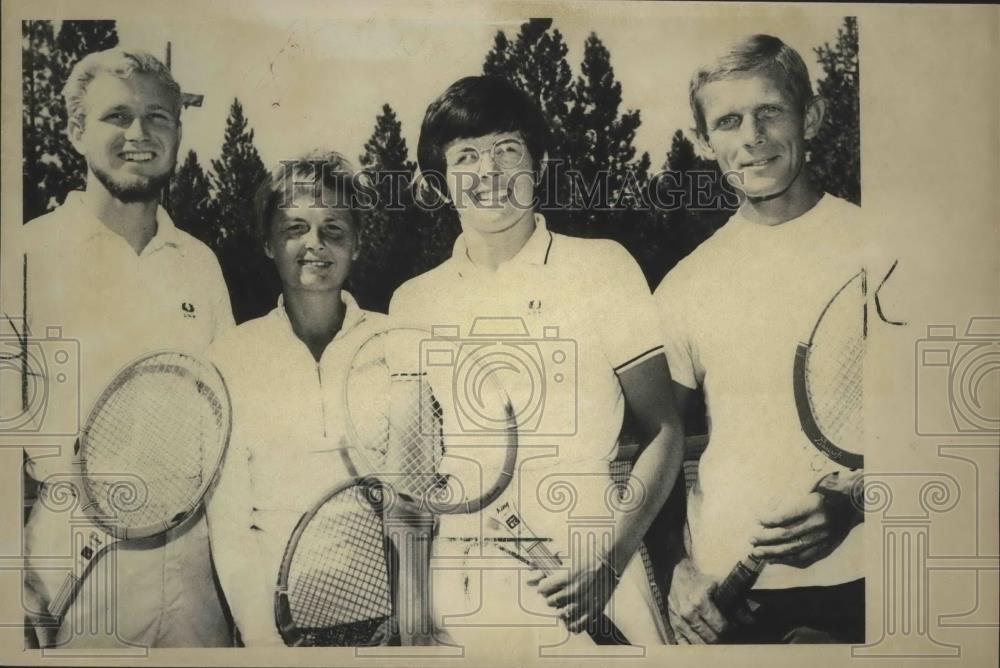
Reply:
x=322, y=403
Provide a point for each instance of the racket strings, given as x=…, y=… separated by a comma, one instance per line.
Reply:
x=834, y=370
x=170, y=472
x=396, y=419
x=837, y=392
x=337, y=574
x=159, y=424
x=415, y=434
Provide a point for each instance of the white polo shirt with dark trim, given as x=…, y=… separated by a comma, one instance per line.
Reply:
x=570, y=314
x=563, y=317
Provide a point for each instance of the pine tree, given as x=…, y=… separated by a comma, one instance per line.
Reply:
x=190, y=202
x=611, y=183
x=39, y=128
x=236, y=175
x=536, y=63
x=835, y=152
x=390, y=241
x=602, y=138
x=690, y=204
x=386, y=148
x=51, y=167
x=78, y=38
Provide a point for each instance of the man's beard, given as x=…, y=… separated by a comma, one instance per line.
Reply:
x=140, y=189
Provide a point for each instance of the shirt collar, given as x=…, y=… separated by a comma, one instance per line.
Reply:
x=354, y=315
x=167, y=233
x=534, y=252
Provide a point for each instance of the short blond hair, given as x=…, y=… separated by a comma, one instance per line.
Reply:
x=117, y=62
x=327, y=169
x=754, y=54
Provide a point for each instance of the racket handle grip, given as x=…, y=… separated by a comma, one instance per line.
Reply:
x=732, y=591
x=603, y=631
x=67, y=592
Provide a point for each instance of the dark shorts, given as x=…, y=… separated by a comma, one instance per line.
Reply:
x=833, y=614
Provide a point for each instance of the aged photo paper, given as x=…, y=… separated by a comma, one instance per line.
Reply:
x=596, y=123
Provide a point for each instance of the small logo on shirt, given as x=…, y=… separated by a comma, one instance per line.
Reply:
x=535, y=307
x=188, y=309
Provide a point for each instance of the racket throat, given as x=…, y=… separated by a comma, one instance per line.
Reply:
x=411, y=535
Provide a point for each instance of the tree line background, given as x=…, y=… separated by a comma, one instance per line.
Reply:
x=592, y=135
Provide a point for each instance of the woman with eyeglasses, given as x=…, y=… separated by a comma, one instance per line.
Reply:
x=577, y=344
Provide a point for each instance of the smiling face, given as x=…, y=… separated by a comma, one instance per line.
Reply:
x=312, y=247
x=129, y=135
x=490, y=181
x=754, y=127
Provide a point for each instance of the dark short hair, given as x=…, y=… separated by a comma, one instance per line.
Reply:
x=336, y=174
x=754, y=54
x=477, y=106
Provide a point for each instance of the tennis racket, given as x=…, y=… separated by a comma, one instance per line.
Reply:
x=148, y=453
x=602, y=630
x=335, y=583
x=827, y=382
x=431, y=441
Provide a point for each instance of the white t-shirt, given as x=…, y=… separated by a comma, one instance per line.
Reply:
x=733, y=312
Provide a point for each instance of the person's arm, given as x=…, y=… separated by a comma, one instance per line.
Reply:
x=582, y=592
x=676, y=504
x=691, y=612
x=236, y=557
x=626, y=322
x=248, y=589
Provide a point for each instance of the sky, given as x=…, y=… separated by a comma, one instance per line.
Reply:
x=319, y=82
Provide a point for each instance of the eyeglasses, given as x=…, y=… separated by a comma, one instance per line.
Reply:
x=506, y=154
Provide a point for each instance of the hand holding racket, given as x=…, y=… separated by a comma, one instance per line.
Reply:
x=356, y=570
x=827, y=382
x=147, y=455
x=601, y=629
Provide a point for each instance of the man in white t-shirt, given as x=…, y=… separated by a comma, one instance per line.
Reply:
x=101, y=280
x=733, y=313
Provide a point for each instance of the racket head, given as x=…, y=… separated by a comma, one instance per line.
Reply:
x=338, y=572
x=153, y=444
x=828, y=380
x=405, y=406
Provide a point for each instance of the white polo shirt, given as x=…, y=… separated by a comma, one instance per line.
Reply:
x=566, y=315
x=282, y=457
x=94, y=305
x=734, y=311
x=569, y=314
